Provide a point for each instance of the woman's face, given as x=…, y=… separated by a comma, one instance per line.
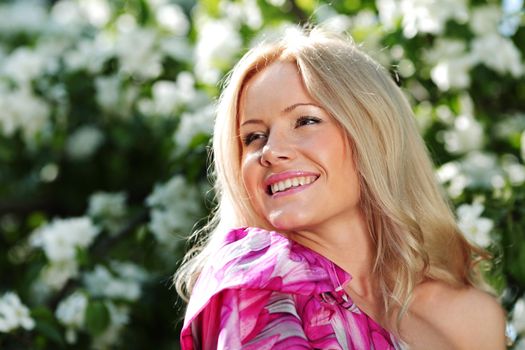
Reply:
x=296, y=161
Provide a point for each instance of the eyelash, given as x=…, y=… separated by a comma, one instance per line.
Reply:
x=246, y=140
x=301, y=121
x=307, y=119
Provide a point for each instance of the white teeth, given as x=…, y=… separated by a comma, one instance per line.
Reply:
x=294, y=182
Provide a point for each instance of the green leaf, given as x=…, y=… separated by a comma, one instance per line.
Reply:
x=42, y=313
x=36, y=219
x=306, y=5
x=46, y=325
x=83, y=257
x=520, y=264
x=352, y=5
x=141, y=233
x=211, y=6
x=97, y=317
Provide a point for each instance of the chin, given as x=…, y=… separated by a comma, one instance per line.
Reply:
x=287, y=222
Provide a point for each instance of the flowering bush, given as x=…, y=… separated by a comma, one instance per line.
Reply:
x=106, y=110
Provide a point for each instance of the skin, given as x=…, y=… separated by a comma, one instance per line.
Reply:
x=283, y=129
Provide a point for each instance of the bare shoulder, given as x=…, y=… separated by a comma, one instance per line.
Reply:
x=465, y=318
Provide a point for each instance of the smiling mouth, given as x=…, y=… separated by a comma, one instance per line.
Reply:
x=288, y=184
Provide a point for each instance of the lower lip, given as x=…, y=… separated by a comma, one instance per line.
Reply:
x=292, y=190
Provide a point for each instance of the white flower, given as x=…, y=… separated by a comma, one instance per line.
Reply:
x=110, y=208
x=171, y=17
x=451, y=64
x=518, y=316
x=514, y=170
x=337, y=23
x=511, y=126
x=366, y=21
x=444, y=48
x=138, y=53
x=60, y=238
x=119, y=317
x=57, y=273
x=516, y=173
x=507, y=59
x=89, y=54
x=466, y=135
x=84, y=142
x=98, y=12
x=164, y=99
x=522, y=145
x=453, y=73
x=23, y=16
x=218, y=43
x=244, y=11
x=113, y=97
x=177, y=48
x=21, y=110
x=448, y=171
x=108, y=92
x=485, y=19
x=192, y=124
x=430, y=16
x=272, y=33
x=164, y=227
x=71, y=313
x=276, y=3
x=187, y=93
x=14, y=314
x=175, y=208
x=101, y=282
x=476, y=169
x=520, y=345
x=168, y=96
x=389, y=12
x=68, y=15
x=482, y=170
x=475, y=228
x=129, y=271
x=511, y=18
x=24, y=65
x=174, y=194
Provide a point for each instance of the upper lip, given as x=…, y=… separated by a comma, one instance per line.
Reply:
x=274, y=178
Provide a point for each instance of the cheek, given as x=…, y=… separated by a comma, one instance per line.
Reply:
x=338, y=161
x=249, y=173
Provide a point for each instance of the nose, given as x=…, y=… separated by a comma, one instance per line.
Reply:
x=276, y=150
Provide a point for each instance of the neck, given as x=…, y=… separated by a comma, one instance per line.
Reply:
x=348, y=244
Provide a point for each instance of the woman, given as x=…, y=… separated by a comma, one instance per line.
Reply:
x=331, y=231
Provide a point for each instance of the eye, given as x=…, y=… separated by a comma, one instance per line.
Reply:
x=253, y=136
x=305, y=120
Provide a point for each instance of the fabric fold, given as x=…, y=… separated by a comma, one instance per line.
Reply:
x=262, y=290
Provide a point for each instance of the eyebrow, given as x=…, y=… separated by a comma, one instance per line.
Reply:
x=295, y=105
x=286, y=110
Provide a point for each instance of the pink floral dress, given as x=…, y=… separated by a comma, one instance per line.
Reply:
x=264, y=291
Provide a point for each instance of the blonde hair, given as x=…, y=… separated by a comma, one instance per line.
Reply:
x=411, y=223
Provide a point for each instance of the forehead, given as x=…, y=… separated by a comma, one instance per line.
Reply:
x=275, y=87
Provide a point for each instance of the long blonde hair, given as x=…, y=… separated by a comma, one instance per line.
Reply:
x=414, y=230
